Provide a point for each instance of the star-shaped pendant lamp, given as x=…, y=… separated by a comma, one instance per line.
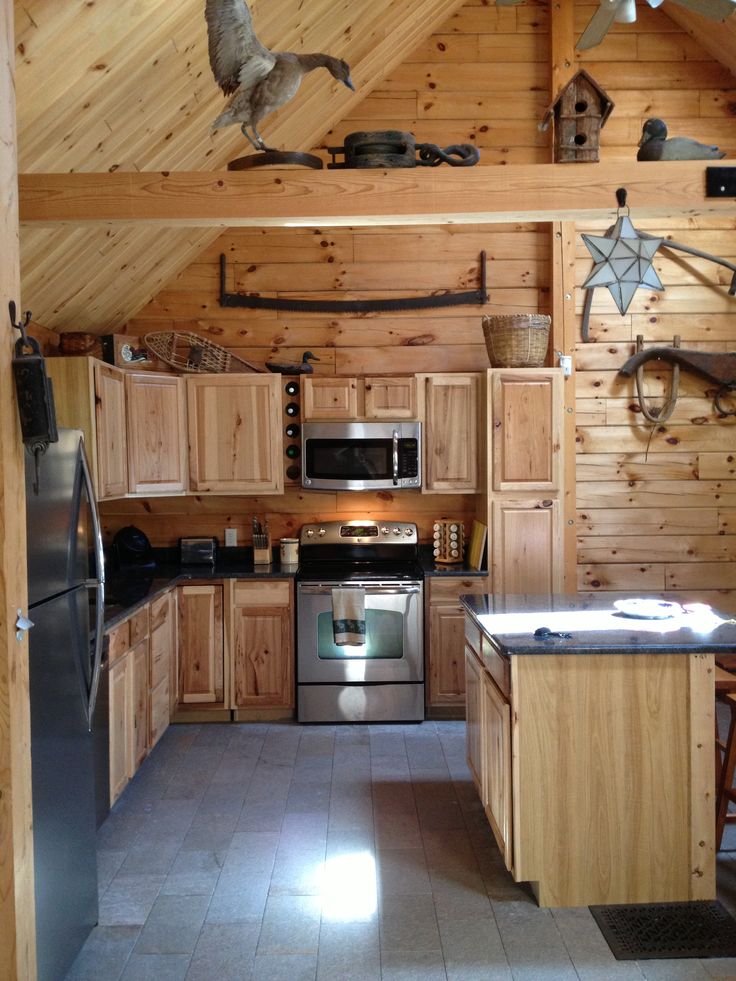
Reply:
x=623, y=260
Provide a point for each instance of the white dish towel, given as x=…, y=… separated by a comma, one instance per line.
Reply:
x=348, y=616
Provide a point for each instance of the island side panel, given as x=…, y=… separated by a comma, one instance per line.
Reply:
x=608, y=781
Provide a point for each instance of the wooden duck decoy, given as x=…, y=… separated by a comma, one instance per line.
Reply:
x=258, y=79
x=301, y=368
x=654, y=145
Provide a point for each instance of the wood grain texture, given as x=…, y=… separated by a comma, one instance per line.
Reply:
x=17, y=901
x=635, y=724
x=131, y=89
x=539, y=192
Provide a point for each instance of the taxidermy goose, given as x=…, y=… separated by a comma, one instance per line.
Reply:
x=258, y=79
x=624, y=11
x=654, y=145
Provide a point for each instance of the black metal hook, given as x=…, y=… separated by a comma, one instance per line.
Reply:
x=21, y=326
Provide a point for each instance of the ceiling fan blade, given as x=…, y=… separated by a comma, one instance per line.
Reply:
x=655, y=3
x=715, y=9
x=598, y=26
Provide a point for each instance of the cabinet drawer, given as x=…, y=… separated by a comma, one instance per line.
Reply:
x=119, y=641
x=444, y=588
x=263, y=593
x=472, y=634
x=497, y=665
x=159, y=711
x=138, y=626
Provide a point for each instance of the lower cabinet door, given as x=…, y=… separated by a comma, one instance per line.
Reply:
x=473, y=715
x=200, y=644
x=139, y=717
x=496, y=764
x=120, y=713
x=263, y=654
x=159, y=719
x=446, y=655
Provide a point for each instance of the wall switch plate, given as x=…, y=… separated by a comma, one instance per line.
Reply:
x=231, y=536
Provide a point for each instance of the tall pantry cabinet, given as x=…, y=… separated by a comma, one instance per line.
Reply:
x=524, y=481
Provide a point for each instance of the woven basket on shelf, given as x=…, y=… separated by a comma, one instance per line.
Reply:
x=517, y=340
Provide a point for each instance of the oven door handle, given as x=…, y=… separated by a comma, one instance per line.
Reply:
x=371, y=589
x=395, y=457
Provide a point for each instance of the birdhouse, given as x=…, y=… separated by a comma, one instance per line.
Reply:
x=579, y=112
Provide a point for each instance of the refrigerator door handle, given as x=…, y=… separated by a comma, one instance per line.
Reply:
x=97, y=584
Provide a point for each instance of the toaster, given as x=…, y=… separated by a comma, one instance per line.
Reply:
x=197, y=551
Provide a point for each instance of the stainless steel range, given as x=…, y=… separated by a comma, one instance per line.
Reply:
x=382, y=679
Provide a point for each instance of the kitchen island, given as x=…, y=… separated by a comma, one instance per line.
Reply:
x=592, y=746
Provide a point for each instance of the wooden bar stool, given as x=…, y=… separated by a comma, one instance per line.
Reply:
x=725, y=684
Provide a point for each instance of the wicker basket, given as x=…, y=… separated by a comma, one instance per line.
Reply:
x=517, y=340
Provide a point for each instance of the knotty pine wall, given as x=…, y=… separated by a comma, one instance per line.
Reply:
x=656, y=510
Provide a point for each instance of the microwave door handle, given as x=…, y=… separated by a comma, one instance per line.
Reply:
x=395, y=457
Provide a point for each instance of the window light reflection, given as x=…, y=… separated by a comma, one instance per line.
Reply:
x=349, y=890
x=697, y=617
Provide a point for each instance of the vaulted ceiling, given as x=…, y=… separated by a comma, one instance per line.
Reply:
x=106, y=85
x=126, y=85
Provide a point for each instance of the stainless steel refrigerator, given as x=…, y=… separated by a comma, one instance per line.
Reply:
x=66, y=598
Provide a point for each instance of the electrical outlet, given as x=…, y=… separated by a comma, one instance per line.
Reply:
x=231, y=536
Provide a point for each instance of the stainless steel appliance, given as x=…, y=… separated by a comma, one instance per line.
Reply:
x=381, y=680
x=361, y=455
x=65, y=655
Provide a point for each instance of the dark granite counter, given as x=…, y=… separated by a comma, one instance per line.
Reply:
x=431, y=568
x=594, y=625
x=128, y=589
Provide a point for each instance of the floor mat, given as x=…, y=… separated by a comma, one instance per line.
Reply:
x=662, y=930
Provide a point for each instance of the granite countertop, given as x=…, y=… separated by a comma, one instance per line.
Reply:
x=126, y=590
x=595, y=626
x=129, y=589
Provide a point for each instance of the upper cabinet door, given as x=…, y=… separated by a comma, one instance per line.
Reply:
x=330, y=398
x=112, y=446
x=391, y=398
x=157, y=433
x=235, y=441
x=451, y=432
x=526, y=429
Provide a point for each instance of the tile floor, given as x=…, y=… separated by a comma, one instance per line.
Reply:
x=348, y=853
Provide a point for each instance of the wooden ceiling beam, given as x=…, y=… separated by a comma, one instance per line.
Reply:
x=716, y=37
x=535, y=192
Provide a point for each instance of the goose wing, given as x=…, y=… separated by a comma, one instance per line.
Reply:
x=237, y=57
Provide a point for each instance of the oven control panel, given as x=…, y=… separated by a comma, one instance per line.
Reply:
x=359, y=533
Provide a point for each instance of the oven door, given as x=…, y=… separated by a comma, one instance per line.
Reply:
x=394, y=646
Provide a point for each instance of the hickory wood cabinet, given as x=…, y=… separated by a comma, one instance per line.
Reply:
x=525, y=488
x=263, y=653
x=445, y=631
x=139, y=657
x=201, y=645
x=450, y=405
x=134, y=425
x=235, y=440
x=594, y=770
x=336, y=398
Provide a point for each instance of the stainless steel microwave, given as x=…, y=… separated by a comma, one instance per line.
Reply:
x=361, y=455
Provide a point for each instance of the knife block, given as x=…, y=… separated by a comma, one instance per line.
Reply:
x=262, y=549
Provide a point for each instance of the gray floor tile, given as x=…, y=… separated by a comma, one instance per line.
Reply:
x=251, y=852
x=285, y=967
x=224, y=952
x=128, y=899
x=104, y=954
x=173, y=925
x=239, y=899
x=109, y=861
x=156, y=967
x=290, y=926
x=409, y=926
x=413, y=965
x=402, y=872
x=588, y=949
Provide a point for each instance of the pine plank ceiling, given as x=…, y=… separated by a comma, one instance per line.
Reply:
x=104, y=85
x=126, y=85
